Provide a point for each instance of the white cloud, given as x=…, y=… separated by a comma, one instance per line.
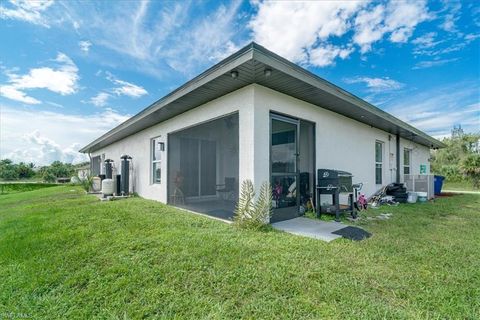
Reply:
x=325, y=56
x=377, y=84
x=62, y=79
x=206, y=41
x=126, y=88
x=433, y=63
x=292, y=29
x=152, y=37
x=85, y=45
x=12, y=93
x=49, y=135
x=426, y=41
x=396, y=18
x=451, y=17
x=471, y=37
x=302, y=31
x=436, y=111
x=369, y=27
x=100, y=100
x=403, y=16
x=29, y=11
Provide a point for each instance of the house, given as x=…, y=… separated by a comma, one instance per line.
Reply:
x=257, y=116
x=83, y=171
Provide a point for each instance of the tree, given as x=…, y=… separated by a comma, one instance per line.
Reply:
x=25, y=171
x=59, y=170
x=8, y=170
x=470, y=167
x=446, y=161
x=48, y=177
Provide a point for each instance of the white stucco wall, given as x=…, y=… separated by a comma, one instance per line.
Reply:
x=138, y=145
x=420, y=155
x=341, y=143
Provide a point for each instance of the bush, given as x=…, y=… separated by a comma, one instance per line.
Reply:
x=470, y=167
x=8, y=170
x=49, y=177
x=251, y=214
x=86, y=183
x=449, y=161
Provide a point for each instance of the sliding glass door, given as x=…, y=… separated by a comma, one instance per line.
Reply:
x=284, y=167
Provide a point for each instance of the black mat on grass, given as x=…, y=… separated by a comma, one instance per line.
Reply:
x=353, y=233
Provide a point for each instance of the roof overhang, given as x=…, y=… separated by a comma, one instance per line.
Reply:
x=286, y=77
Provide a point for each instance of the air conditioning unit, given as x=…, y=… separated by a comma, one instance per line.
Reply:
x=420, y=183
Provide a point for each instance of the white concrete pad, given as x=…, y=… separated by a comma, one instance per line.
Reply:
x=311, y=228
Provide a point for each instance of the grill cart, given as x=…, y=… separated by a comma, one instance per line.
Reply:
x=333, y=183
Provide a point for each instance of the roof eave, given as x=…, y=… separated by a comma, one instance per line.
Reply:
x=263, y=55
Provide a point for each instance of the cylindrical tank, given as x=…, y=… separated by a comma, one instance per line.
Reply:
x=108, y=169
x=108, y=187
x=118, y=186
x=96, y=184
x=125, y=181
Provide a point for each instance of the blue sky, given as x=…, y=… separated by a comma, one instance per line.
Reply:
x=70, y=71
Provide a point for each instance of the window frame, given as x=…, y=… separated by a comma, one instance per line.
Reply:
x=153, y=161
x=379, y=164
x=409, y=166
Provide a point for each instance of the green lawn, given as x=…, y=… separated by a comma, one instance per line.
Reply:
x=64, y=254
x=459, y=186
x=16, y=187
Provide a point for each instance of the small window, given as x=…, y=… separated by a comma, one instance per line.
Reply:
x=378, y=162
x=157, y=149
x=407, y=153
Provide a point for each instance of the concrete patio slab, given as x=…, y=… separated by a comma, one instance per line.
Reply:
x=306, y=227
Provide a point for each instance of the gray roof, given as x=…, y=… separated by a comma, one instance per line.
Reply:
x=286, y=77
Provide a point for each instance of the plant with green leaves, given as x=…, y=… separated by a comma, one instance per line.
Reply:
x=49, y=177
x=251, y=213
x=86, y=183
x=448, y=161
x=470, y=167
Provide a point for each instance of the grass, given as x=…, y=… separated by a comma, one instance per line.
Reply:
x=16, y=187
x=459, y=186
x=64, y=254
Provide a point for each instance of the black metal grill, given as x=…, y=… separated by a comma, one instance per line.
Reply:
x=334, y=182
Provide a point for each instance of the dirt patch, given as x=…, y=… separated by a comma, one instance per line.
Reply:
x=447, y=194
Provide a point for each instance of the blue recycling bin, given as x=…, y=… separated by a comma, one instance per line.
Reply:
x=437, y=184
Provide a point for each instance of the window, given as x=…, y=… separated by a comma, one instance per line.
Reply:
x=95, y=166
x=378, y=162
x=406, y=160
x=157, y=148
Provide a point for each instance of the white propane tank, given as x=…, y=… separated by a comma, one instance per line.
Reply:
x=108, y=187
x=96, y=184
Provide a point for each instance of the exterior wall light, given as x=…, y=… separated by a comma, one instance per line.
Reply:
x=267, y=72
x=234, y=74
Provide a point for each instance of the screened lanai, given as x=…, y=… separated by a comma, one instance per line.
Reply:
x=203, y=167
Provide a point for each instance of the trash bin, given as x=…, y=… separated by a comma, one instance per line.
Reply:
x=437, y=184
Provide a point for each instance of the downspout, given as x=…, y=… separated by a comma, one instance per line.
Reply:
x=397, y=154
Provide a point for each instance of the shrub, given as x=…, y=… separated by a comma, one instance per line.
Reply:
x=49, y=177
x=251, y=214
x=8, y=170
x=86, y=183
x=470, y=167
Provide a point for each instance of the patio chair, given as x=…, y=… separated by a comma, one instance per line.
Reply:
x=227, y=189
